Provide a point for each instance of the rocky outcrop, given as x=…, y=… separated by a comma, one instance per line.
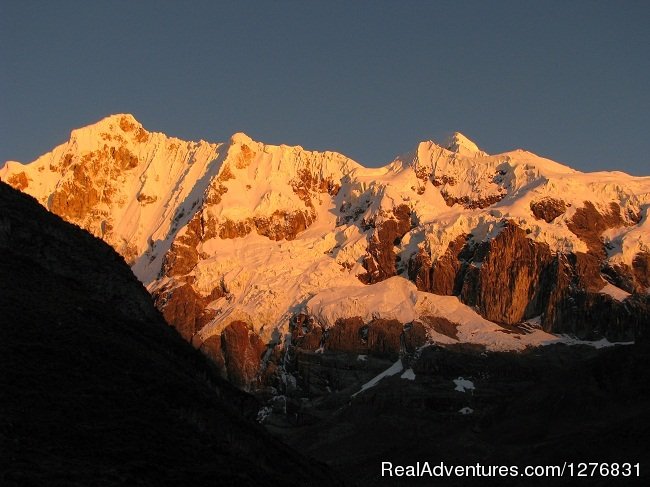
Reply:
x=242, y=351
x=419, y=270
x=308, y=181
x=347, y=335
x=93, y=181
x=380, y=263
x=183, y=254
x=588, y=224
x=547, y=209
x=441, y=325
x=592, y=316
x=641, y=269
x=471, y=203
x=19, y=181
x=576, y=306
x=621, y=275
x=444, y=275
x=211, y=347
x=283, y=225
x=378, y=337
x=75, y=198
x=231, y=229
x=505, y=279
x=502, y=277
x=184, y=308
x=511, y=278
x=237, y=351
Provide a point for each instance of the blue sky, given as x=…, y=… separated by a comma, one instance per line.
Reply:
x=567, y=80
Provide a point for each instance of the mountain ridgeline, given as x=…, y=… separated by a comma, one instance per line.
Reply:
x=258, y=253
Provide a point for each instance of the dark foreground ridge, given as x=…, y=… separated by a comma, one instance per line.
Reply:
x=95, y=388
x=543, y=406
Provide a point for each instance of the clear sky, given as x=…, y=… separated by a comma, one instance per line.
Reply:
x=569, y=80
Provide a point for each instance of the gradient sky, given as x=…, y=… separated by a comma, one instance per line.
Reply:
x=567, y=80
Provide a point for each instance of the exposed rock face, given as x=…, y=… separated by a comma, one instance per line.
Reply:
x=74, y=200
x=378, y=337
x=547, y=209
x=586, y=271
x=242, y=350
x=347, y=335
x=307, y=334
x=212, y=348
x=511, y=278
x=308, y=181
x=380, y=263
x=93, y=181
x=641, y=267
x=19, y=181
x=442, y=326
x=593, y=316
x=575, y=306
x=183, y=255
x=184, y=308
x=504, y=279
x=444, y=276
x=230, y=229
x=419, y=270
x=238, y=353
x=621, y=275
x=283, y=225
x=589, y=224
x=471, y=203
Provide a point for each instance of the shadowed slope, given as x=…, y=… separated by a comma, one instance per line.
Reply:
x=97, y=390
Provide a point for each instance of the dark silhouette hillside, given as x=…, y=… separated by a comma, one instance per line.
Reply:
x=96, y=389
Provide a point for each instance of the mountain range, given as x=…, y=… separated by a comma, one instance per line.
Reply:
x=250, y=250
x=450, y=306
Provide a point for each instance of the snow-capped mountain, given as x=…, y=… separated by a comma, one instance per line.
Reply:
x=251, y=249
x=118, y=181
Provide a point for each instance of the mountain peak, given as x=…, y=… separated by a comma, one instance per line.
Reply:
x=460, y=144
x=240, y=138
x=119, y=122
x=124, y=121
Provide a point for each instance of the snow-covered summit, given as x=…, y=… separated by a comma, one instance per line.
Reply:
x=117, y=180
x=240, y=138
x=457, y=142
